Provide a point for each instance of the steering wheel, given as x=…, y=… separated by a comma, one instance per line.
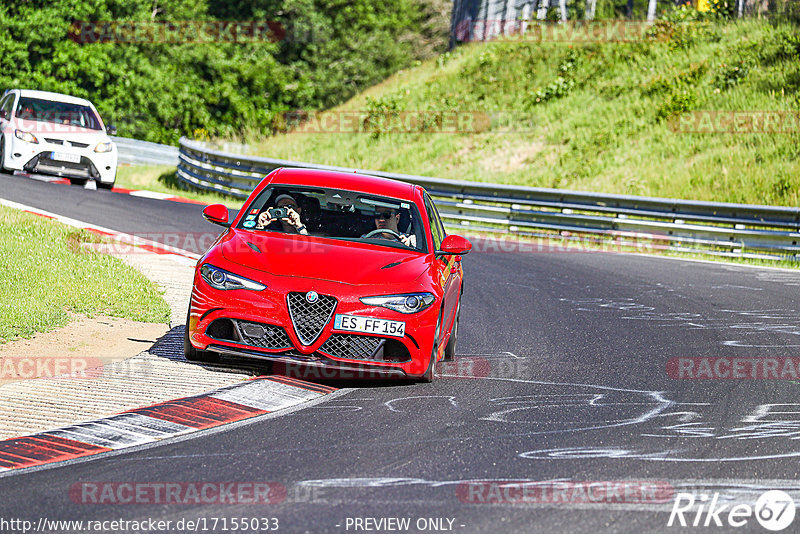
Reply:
x=392, y=233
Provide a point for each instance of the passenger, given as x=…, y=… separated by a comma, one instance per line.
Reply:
x=291, y=224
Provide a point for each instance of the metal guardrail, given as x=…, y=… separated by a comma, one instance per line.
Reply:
x=135, y=152
x=717, y=228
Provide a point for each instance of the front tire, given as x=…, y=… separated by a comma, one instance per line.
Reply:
x=450, y=349
x=78, y=181
x=101, y=185
x=428, y=376
x=2, y=154
x=194, y=355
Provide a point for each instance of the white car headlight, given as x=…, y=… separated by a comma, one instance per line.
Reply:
x=104, y=147
x=224, y=280
x=406, y=303
x=25, y=136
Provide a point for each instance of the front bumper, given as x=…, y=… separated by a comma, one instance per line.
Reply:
x=37, y=158
x=221, y=321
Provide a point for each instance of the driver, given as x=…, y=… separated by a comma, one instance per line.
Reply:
x=291, y=224
x=388, y=219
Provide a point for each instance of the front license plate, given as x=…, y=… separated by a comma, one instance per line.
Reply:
x=369, y=325
x=61, y=156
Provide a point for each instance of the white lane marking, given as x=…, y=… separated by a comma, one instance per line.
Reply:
x=150, y=194
x=662, y=456
x=504, y=354
x=723, y=286
x=740, y=344
x=717, y=263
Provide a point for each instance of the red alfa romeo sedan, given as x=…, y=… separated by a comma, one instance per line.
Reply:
x=332, y=271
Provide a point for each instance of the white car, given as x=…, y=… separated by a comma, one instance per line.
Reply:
x=52, y=133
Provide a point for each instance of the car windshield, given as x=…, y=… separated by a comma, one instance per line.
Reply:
x=35, y=109
x=337, y=214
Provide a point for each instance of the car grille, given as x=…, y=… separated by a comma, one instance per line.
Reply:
x=352, y=346
x=309, y=318
x=61, y=142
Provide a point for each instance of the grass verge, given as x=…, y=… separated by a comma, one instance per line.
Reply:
x=594, y=117
x=46, y=274
x=162, y=179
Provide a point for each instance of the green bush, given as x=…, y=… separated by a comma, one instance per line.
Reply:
x=159, y=92
x=727, y=75
x=676, y=104
x=562, y=85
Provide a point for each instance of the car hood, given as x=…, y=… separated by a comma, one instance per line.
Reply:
x=345, y=262
x=52, y=130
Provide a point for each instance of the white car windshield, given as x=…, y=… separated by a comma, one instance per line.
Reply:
x=337, y=214
x=36, y=109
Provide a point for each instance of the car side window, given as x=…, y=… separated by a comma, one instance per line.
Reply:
x=7, y=104
x=433, y=217
x=439, y=221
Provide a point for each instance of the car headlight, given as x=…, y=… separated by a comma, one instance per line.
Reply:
x=25, y=136
x=407, y=303
x=224, y=280
x=103, y=147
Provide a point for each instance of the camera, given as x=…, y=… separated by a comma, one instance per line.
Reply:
x=278, y=213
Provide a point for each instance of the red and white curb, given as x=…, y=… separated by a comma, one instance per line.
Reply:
x=133, y=192
x=183, y=256
x=257, y=396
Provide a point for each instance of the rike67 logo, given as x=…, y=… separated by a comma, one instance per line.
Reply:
x=774, y=510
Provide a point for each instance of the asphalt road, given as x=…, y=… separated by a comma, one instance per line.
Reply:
x=561, y=376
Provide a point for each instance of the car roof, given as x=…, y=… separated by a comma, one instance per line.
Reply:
x=56, y=97
x=361, y=183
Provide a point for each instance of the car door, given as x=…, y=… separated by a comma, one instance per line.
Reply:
x=448, y=266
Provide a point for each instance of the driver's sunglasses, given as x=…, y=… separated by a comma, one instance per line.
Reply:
x=385, y=215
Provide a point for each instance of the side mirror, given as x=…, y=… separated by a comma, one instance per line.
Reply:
x=455, y=244
x=217, y=214
x=111, y=129
x=3, y=114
